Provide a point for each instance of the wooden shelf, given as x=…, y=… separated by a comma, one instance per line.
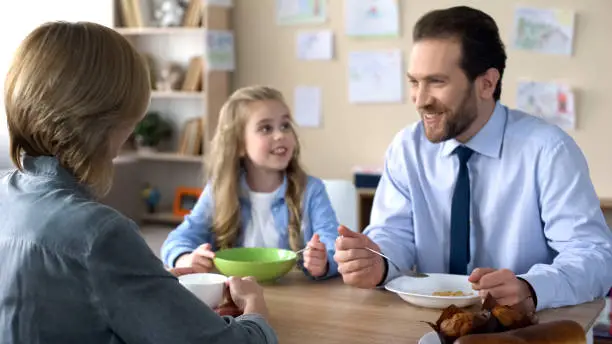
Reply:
x=171, y=157
x=606, y=203
x=127, y=157
x=162, y=218
x=179, y=44
x=177, y=95
x=151, y=31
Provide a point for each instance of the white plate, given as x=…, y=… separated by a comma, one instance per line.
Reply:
x=419, y=291
x=430, y=338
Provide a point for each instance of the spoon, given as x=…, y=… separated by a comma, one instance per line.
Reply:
x=410, y=273
x=302, y=250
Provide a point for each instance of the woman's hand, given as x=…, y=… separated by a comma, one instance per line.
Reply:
x=247, y=295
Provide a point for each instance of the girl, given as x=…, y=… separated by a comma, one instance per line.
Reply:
x=258, y=194
x=73, y=269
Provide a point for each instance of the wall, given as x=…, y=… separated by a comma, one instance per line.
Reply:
x=359, y=134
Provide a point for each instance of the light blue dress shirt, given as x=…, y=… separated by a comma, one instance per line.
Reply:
x=533, y=207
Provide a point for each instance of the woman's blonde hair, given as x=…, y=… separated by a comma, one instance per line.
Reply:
x=70, y=87
x=225, y=164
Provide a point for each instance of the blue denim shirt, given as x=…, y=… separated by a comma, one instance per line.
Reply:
x=76, y=271
x=318, y=217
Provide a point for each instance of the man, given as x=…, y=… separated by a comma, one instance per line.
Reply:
x=477, y=188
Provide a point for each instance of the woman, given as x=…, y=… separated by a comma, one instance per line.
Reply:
x=74, y=270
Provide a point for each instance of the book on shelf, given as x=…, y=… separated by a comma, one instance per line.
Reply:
x=192, y=138
x=194, y=76
x=151, y=67
x=193, y=14
x=131, y=13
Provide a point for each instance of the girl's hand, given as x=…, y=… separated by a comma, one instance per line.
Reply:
x=200, y=260
x=180, y=271
x=315, y=257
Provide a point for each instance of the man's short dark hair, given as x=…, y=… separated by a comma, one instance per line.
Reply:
x=481, y=45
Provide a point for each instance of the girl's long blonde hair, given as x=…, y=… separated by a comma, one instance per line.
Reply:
x=224, y=165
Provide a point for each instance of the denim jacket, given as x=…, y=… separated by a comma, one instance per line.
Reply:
x=318, y=216
x=76, y=271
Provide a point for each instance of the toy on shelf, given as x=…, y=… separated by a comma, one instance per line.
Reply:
x=151, y=197
x=168, y=13
x=169, y=77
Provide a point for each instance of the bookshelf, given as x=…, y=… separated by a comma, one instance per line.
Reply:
x=154, y=31
x=196, y=97
x=178, y=95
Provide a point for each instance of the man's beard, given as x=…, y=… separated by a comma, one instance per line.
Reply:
x=455, y=122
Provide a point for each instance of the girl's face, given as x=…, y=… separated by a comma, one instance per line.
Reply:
x=269, y=137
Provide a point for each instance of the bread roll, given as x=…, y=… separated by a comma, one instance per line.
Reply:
x=555, y=332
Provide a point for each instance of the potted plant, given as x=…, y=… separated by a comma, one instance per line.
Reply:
x=151, y=131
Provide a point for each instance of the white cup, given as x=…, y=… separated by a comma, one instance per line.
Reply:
x=206, y=286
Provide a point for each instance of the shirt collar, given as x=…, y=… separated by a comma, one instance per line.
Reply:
x=244, y=188
x=50, y=167
x=487, y=141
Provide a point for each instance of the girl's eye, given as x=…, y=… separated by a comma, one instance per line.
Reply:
x=265, y=129
x=286, y=126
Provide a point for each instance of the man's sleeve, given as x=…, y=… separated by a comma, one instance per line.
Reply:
x=391, y=225
x=575, y=228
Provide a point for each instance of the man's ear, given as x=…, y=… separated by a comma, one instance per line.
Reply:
x=487, y=83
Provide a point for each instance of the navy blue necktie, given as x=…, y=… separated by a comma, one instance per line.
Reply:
x=460, y=216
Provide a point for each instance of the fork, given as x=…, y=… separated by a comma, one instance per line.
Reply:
x=410, y=273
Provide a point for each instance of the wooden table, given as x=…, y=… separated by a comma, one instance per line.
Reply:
x=321, y=312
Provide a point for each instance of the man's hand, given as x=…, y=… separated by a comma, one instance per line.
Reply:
x=504, y=287
x=358, y=266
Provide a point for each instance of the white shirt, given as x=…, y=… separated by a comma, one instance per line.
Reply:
x=261, y=231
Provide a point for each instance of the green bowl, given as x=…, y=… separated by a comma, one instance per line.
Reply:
x=265, y=264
